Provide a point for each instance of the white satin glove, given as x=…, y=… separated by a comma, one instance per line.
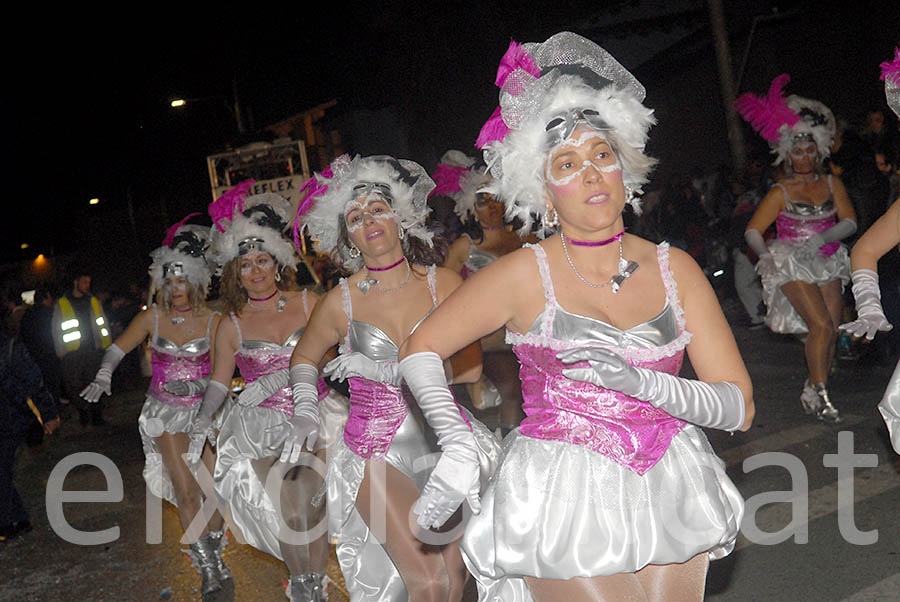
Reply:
x=869, y=313
x=102, y=382
x=263, y=388
x=186, y=388
x=717, y=405
x=455, y=478
x=356, y=364
x=304, y=425
x=765, y=267
x=201, y=427
x=806, y=251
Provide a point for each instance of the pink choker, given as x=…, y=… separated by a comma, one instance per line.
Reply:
x=390, y=267
x=595, y=243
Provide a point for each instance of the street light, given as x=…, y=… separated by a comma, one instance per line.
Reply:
x=234, y=109
x=94, y=201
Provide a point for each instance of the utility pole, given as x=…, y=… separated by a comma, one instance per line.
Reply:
x=726, y=81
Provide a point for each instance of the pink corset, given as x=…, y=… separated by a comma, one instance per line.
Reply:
x=795, y=229
x=628, y=431
x=168, y=367
x=376, y=412
x=257, y=362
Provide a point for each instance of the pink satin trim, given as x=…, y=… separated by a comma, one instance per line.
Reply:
x=168, y=367
x=792, y=229
x=630, y=432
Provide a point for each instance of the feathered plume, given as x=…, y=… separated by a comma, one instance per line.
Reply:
x=890, y=70
x=515, y=58
x=309, y=192
x=230, y=203
x=170, y=233
x=767, y=114
x=447, y=177
x=493, y=129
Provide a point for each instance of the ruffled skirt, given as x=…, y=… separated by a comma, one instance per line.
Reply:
x=156, y=418
x=249, y=434
x=781, y=316
x=890, y=408
x=557, y=511
x=368, y=571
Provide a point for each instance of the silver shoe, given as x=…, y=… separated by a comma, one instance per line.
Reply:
x=309, y=587
x=219, y=541
x=827, y=413
x=203, y=552
x=810, y=399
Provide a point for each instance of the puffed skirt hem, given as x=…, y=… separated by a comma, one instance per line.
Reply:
x=556, y=510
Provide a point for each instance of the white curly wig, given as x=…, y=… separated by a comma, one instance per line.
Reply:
x=540, y=81
x=260, y=222
x=816, y=121
x=183, y=253
x=409, y=185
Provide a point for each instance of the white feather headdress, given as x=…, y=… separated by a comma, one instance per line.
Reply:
x=323, y=210
x=183, y=253
x=458, y=177
x=259, y=221
x=539, y=81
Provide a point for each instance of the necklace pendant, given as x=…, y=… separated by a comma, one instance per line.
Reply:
x=281, y=303
x=366, y=285
x=177, y=319
x=623, y=275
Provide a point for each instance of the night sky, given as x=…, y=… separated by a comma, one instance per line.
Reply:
x=86, y=97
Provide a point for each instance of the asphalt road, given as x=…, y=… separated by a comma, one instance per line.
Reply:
x=815, y=560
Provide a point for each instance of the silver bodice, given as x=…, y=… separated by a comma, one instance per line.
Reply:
x=809, y=210
x=192, y=347
x=655, y=332
x=478, y=259
x=259, y=344
x=373, y=342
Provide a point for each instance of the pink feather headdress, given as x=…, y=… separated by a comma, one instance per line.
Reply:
x=447, y=179
x=890, y=70
x=173, y=230
x=230, y=203
x=768, y=113
x=309, y=192
x=516, y=58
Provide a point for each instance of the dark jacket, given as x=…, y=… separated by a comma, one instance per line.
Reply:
x=20, y=380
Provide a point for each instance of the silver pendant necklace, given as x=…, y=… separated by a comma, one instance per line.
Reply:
x=282, y=302
x=366, y=284
x=625, y=269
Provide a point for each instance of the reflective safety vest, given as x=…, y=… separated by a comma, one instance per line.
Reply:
x=71, y=328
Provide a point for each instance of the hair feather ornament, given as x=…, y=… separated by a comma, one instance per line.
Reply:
x=890, y=73
x=183, y=253
x=458, y=177
x=410, y=186
x=539, y=81
x=781, y=121
x=260, y=220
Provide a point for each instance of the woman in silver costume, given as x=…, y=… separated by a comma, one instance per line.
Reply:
x=607, y=490
x=269, y=489
x=369, y=214
x=181, y=331
x=805, y=268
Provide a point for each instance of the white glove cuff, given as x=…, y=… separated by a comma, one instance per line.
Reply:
x=756, y=242
x=304, y=389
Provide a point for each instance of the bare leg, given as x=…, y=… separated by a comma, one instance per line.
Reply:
x=502, y=368
x=188, y=494
x=685, y=582
x=298, y=487
x=427, y=575
x=807, y=299
x=834, y=301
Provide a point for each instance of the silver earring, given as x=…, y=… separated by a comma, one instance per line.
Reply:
x=551, y=222
x=354, y=252
x=631, y=198
x=277, y=276
x=401, y=233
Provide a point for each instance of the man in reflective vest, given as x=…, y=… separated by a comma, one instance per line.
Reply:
x=80, y=334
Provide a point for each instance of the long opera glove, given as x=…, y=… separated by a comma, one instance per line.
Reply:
x=358, y=364
x=186, y=388
x=455, y=478
x=201, y=427
x=809, y=247
x=869, y=313
x=718, y=405
x=263, y=388
x=102, y=382
x=304, y=424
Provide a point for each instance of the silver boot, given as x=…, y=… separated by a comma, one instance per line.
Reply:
x=809, y=399
x=309, y=587
x=203, y=551
x=219, y=541
x=828, y=413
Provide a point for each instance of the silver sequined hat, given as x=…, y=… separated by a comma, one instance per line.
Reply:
x=543, y=81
